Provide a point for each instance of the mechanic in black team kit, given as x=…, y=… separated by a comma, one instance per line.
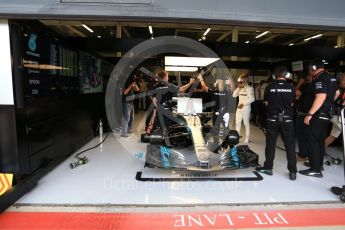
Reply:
x=161, y=95
x=220, y=95
x=279, y=97
x=319, y=114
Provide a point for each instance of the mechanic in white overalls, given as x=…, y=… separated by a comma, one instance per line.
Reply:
x=246, y=97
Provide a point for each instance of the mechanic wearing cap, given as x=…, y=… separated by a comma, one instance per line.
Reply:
x=279, y=97
x=318, y=116
x=246, y=97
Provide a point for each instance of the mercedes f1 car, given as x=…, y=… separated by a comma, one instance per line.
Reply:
x=185, y=139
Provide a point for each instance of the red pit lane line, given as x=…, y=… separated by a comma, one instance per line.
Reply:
x=178, y=220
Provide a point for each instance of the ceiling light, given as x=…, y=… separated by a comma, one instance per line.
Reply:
x=25, y=35
x=152, y=37
x=181, y=68
x=203, y=38
x=88, y=28
x=150, y=29
x=199, y=39
x=335, y=46
x=189, y=61
x=315, y=36
x=262, y=34
x=247, y=42
x=99, y=36
x=206, y=32
x=291, y=44
x=324, y=62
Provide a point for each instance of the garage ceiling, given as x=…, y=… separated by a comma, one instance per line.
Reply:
x=218, y=33
x=276, y=36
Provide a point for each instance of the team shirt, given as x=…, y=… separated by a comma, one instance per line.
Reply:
x=280, y=97
x=326, y=84
x=305, y=101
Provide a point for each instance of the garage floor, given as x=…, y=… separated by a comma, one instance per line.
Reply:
x=110, y=178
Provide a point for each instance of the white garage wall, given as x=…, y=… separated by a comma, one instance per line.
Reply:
x=6, y=87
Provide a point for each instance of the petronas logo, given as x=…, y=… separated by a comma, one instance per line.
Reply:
x=32, y=42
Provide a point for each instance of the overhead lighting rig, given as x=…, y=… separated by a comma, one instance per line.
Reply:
x=203, y=38
x=151, y=31
x=262, y=34
x=206, y=32
x=313, y=37
x=186, y=64
x=88, y=28
x=181, y=68
x=189, y=61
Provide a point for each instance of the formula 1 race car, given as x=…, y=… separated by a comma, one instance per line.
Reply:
x=189, y=142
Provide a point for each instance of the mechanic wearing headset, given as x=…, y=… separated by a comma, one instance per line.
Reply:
x=279, y=97
x=246, y=97
x=318, y=116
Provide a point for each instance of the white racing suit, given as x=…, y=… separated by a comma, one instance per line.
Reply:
x=246, y=97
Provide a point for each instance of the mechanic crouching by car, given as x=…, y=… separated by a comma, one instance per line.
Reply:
x=339, y=104
x=279, y=97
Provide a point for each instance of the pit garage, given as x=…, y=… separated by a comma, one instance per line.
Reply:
x=62, y=106
x=62, y=138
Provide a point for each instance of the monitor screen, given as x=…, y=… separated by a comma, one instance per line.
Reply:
x=90, y=73
x=297, y=66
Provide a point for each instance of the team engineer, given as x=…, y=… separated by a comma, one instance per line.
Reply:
x=279, y=97
x=317, y=119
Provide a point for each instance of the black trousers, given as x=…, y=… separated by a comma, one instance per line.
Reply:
x=286, y=130
x=255, y=110
x=262, y=114
x=316, y=136
x=217, y=120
